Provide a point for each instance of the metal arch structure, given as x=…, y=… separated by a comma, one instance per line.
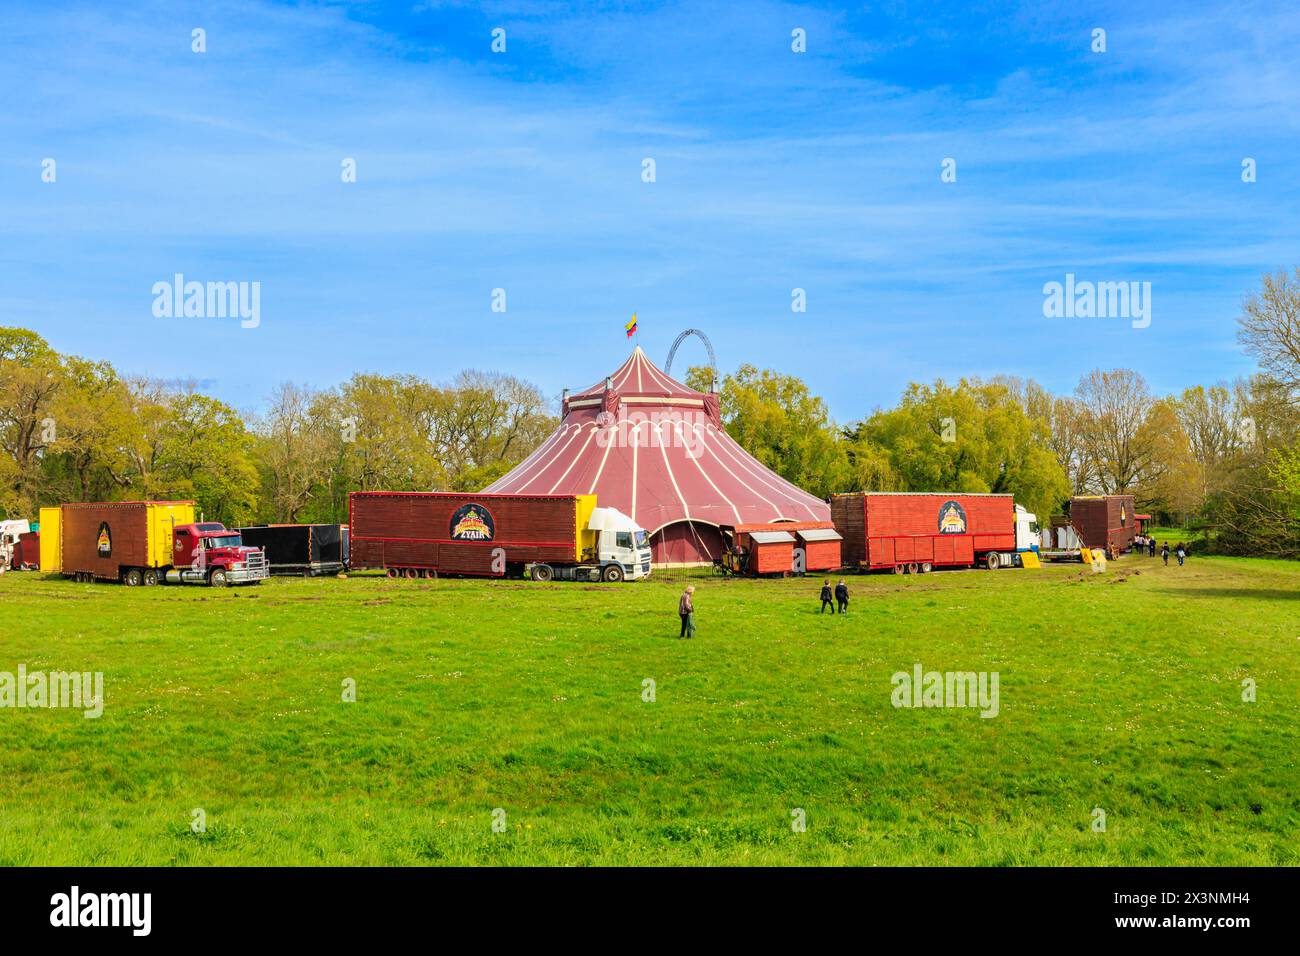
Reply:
x=713, y=361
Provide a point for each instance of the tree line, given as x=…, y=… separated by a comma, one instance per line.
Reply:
x=1224, y=456
x=72, y=429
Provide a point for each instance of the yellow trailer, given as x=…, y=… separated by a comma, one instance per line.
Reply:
x=51, y=527
x=102, y=539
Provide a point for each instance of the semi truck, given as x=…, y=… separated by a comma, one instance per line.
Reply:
x=419, y=534
x=911, y=533
x=10, y=531
x=300, y=549
x=145, y=543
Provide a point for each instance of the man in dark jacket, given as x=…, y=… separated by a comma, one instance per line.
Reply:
x=842, y=596
x=686, y=608
x=826, y=597
x=1164, y=553
x=1151, y=547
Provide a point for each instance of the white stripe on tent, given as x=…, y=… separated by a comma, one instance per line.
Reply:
x=576, y=458
x=664, y=380
x=573, y=431
x=787, y=488
x=613, y=440
x=522, y=468
x=743, y=460
x=635, y=445
x=771, y=504
x=663, y=450
x=695, y=458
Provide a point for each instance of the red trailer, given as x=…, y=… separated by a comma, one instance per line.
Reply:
x=27, y=552
x=780, y=547
x=1104, y=521
x=418, y=534
x=907, y=532
x=821, y=545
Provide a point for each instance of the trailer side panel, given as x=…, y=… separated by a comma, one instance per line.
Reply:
x=458, y=533
x=882, y=530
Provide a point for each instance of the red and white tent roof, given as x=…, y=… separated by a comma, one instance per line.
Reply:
x=656, y=450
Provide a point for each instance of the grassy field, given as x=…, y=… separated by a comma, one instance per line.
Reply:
x=1120, y=691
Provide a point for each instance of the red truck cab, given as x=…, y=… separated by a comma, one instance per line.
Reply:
x=209, y=552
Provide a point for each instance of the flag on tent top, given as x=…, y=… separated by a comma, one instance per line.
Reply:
x=631, y=326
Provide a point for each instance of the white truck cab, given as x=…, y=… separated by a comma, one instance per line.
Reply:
x=622, y=542
x=9, y=532
x=1027, y=536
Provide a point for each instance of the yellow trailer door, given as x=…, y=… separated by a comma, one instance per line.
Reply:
x=51, y=539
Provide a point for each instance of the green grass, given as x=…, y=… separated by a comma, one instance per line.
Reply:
x=1120, y=691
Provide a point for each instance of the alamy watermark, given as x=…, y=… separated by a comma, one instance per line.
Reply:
x=76, y=690
x=667, y=428
x=208, y=300
x=1099, y=300
x=922, y=688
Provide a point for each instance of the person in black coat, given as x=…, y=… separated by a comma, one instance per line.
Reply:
x=1151, y=547
x=826, y=597
x=842, y=596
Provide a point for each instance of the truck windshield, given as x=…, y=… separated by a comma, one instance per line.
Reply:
x=642, y=540
x=222, y=541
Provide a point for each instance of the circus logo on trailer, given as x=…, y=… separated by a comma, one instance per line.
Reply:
x=472, y=523
x=104, y=540
x=952, y=518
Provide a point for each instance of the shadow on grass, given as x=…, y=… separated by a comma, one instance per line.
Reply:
x=1267, y=594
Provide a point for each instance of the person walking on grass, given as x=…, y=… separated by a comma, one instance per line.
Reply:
x=1181, y=551
x=686, y=608
x=1164, y=553
x=826, y=597
x=1151, y=547
x=842, y=596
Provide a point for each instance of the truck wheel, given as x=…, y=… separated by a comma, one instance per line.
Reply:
x=613, y=572
x=898, y=569
x=543, y=572
x=132, y=578
x=991, y=561
x=913, y=569
x=150, y=578
x=393, y=572
x=926, y=567
x=217, y=578
x=412, y=574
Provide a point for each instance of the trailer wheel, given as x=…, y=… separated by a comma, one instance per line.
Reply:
x=543, y=572
x=217, y=579
x=913, y=569
x=898, y=569
x=412, y=574
x=132, y=578
x=991, y=561
x=613, y=572
x=393, y=572
x=150, y=578
x=926, y=567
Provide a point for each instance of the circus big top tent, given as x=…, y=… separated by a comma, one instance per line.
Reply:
x=656, y=450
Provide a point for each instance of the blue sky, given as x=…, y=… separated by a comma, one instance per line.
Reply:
x=522, y=171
